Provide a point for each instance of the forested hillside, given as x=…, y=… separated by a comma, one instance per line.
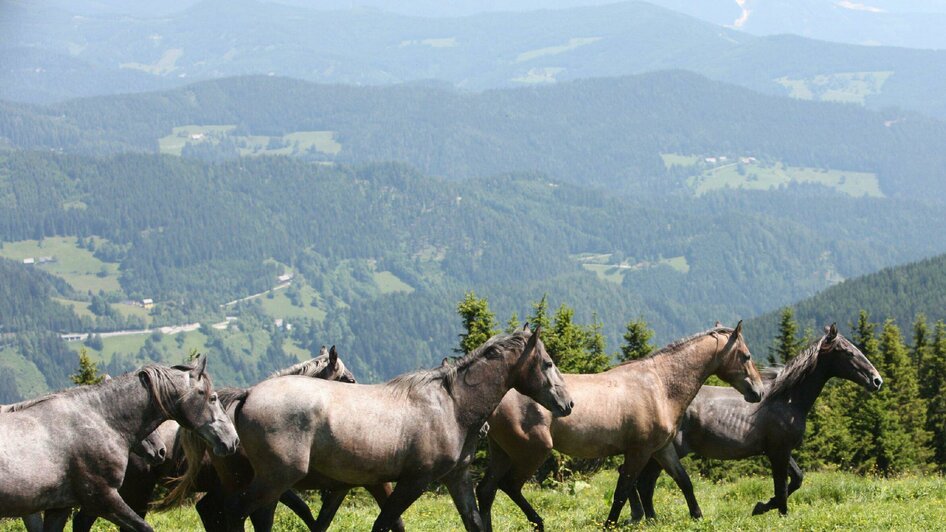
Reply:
x=899, y=293
x=380, y=255
x=55, y=54
x=646, y=134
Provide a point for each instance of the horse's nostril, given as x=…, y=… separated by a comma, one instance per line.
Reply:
x=878, y=381
x=571, y=404
x=162, y=452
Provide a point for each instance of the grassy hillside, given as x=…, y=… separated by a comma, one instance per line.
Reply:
x=827, y=501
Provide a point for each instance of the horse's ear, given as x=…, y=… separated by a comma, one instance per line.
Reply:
x=831, y=331
x=323, y=351
x=738, y=330
x=200, y=367
x=443, y=363
x=718, y=324
x=525, y=327
x=106, y=377
x=532, y=341
x=333, y=358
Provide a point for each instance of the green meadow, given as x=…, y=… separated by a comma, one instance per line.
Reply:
x=826, y=501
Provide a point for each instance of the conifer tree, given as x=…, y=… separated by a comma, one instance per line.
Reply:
x=479, y=323
x=513, y=324
x=88, y=370
x=787, y=344
x=934, y=382
x=637, y=336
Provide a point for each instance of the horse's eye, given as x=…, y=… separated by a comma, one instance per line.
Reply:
x=213, y=398
x=547, y=364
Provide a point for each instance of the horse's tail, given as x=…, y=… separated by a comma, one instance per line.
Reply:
x=182, y=487
x=195, y=450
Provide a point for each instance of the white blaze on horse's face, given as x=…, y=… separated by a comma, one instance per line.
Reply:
x=540, y=379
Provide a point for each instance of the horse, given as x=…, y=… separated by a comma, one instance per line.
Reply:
x=632, y=409
x=71, y=448
x=220, y=476
x=718, y=425
x=151, y=451
x=417, y=428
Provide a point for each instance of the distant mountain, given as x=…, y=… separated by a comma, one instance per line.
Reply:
x=219, y=38
x=654, y=134
x=900, y=292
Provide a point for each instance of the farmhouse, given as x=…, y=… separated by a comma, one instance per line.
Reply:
x=147, y=303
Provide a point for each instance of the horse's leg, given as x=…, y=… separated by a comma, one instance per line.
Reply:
x=499, y=464
x=460, y=485
x=626, y=488
x=646, y=484
x=83, y=520
x=381, y=492
x=667, y=456
x=111, y=506
x=297, y=504
x=779, y=463
x=795, y=476
x=263, y=517
x=210, y=509
x=55, y=520
x=33, y=522
x=405, y=493
x=331, y=501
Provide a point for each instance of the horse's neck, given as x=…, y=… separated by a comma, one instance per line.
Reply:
x=478, y=389
x=805, y=392
x=683, y=371
x=126, y=406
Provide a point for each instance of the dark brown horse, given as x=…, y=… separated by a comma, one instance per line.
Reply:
x=718, y=425
x=632, y=410
x=416, y=429
x=71, y=449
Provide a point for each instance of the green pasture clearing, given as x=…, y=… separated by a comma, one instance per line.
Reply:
x=76, y=265
x=280, y=306
x=389, y=283
x=575, y=42
x=849, y=87
x=605, y=270
x=81, y=308
x=29, y=379
x=826, y=501
x=295, y=143
x=675, y=159
x=760, y=177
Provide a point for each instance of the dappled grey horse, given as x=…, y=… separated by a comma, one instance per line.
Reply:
x=632, y=410
x=416, y=429
x=234, y=472
x=71, y=448
x=719, y=425
x=151, y=451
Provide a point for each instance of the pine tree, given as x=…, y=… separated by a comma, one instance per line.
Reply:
x=479, y=323
x=934, y=382
x=920, y=343
x=513, y=324
x=596, y=346
x=787, y=344
x=637, y=337
x=88, y=371
x=540, y=315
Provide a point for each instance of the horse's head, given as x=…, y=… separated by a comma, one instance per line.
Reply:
x=846, y=361
x=537, y=377
x=335, y=369
x=185, y=394
x=152, y=449
x=736, y=367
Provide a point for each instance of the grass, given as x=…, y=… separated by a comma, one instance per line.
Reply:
x=249, y=145
x=280, y=306
x=849, y=87
x=675, y=159
x=389, y=283
x=29, y=379
x=605, y=270
x=759, y=177
x=827, y=501
x=76, y=265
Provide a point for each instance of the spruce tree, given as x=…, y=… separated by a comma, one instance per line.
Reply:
x=787, y=344
x=934, y=381
x=513, y=324
x=637, y=337
x=88, y=370
x=920, y=343
x=479, y=323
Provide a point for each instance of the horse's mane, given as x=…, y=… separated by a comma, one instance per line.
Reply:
x=309, y=368
x=446, y=373
x=160, y=383
x=677, y=344
x=799, y=367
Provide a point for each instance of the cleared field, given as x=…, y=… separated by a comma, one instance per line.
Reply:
x=389, y=283
x=601, y=265
x=76, y=265
x=826, y=501
x=758, y=177
x=675, y=159
x=296, y=143
x=280, y=306
x=849, y=87
x=29, y=380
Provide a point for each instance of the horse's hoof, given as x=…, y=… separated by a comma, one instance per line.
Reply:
x=697, y=515
x=759, y=508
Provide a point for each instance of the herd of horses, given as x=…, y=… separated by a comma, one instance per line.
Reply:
x=104, y=448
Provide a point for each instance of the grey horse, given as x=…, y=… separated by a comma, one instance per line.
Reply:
x=71, y=448
x=718, y=424
x=416, y=429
